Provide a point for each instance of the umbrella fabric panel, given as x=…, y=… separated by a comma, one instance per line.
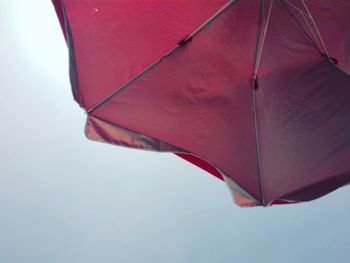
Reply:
x=304, y=123
x=115, y=40
x=200, y=99
x=302, y=111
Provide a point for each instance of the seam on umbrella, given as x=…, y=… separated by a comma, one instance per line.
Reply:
x=150, y=67
x=261, y=34
x=257, y=144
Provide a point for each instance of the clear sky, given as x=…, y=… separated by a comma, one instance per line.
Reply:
x=66, y=199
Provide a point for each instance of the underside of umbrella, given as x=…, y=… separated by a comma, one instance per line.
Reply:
x=255, y=92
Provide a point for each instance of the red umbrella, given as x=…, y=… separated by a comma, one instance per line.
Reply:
x=255, y=92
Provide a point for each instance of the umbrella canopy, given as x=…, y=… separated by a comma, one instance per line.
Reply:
x=255, y=92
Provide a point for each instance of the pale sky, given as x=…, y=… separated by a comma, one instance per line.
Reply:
x=65, y=199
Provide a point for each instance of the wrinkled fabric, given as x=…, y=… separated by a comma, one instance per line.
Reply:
x=285, y=139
